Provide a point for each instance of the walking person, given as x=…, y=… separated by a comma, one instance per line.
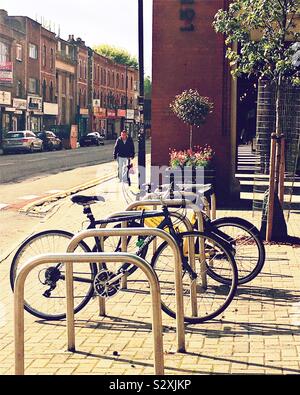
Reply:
x=123, y=152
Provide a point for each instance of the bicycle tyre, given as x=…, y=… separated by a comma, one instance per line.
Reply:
x=214, y=290
x=250, y=256
x=50, y=241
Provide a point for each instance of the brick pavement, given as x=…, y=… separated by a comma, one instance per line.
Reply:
x=258, y=333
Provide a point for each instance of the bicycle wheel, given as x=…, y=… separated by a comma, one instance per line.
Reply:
x=210, y=301
x=247, y=247
x=45, y=285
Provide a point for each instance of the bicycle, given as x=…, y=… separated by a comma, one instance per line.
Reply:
x=45, y=294
x=244, y=238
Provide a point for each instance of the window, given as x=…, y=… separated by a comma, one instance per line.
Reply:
x=19, y=52
x=80, y=69
x=4, y=53
x=113, y=80
x=52, y=59
x=33, y=51
x=118, y=81
x=51, y=91
x=84, y=67
x=19, y=89
x=44, y=55
x=98, y=73
x=33, y=85
x=131, y=83
x=122, y=82
x=44, y=90
x=108, y=78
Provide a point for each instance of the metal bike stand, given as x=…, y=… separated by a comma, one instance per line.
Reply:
x=182, y=218
x=191, y=247
x=69, y=259
x=211, y=209
x=134, y=232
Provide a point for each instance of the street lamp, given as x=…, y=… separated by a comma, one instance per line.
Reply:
x=141, y=136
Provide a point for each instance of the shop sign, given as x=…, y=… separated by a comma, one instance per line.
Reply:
x=35, y=103
x=130, y=114
x=121, y=113
x=6, y=73
x=84, y=111
x=18, y=112
x=50, y=108
x=187, y=15
x=5, y=98
x=20, y=104
x=100, y=112
x=10, y=109
x=97, y=103
x=111, y=113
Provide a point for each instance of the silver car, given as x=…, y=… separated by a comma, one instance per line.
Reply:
x=21, y=141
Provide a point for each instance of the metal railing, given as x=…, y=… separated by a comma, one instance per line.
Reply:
x=135, y=232
x=69, y=259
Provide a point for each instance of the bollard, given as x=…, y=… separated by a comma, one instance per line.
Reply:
x=69, y=259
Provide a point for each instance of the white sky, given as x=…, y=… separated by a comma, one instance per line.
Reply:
x=113, y=22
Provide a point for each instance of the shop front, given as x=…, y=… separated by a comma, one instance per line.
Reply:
x=34, y=113
x=130, y=123
x=111, y=124
x=19, y=117
x=99, y=119
x=5, y=116
x=50, y=115
x=83, y=121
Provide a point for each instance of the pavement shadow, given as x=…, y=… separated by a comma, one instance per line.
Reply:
x=267, y=295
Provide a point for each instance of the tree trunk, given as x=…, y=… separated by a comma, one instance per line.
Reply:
x=275, y=218
x=191, y=137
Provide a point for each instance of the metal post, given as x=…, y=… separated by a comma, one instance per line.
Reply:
x=177, y=269
x=141, y=137
x=124, y=249
x=69, y=259
x=271, y=189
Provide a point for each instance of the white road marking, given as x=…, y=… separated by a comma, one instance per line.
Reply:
x=3, y=205
x=28, y=197
x=36, y=160
x=54, y=191
x=7, y=164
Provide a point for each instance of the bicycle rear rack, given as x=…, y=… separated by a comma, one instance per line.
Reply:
x=69, y=259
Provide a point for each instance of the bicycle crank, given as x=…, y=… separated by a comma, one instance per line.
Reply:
x=105, y=285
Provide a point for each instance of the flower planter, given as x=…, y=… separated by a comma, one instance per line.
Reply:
x=190, y=175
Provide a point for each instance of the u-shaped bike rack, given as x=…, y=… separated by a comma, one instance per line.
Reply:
x=69, y=259
x=130, y=232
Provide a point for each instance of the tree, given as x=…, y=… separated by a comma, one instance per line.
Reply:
x=118, y=55
x=148, y=87
x=269, y=57
x=192, y=109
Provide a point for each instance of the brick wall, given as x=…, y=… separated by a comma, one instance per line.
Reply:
x=184, y=60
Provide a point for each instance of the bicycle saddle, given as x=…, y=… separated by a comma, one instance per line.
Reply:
x=85, y=200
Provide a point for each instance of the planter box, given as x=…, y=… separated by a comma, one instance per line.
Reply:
x=190, y=175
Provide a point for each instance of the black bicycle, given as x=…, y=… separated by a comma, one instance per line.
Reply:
x=45, y=289
x=244, y=238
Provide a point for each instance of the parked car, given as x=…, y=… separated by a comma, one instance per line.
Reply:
x=22, y=141
x=93, y=138
x=50, y=140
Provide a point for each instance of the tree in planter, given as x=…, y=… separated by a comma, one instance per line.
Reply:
x=269, y=57
x=192, y=109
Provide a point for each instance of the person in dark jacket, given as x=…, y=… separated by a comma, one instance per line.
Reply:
x=123, y=152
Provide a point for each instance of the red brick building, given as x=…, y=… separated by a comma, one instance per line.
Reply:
x=187, y=53
x=114, y=95
x=48, y=77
